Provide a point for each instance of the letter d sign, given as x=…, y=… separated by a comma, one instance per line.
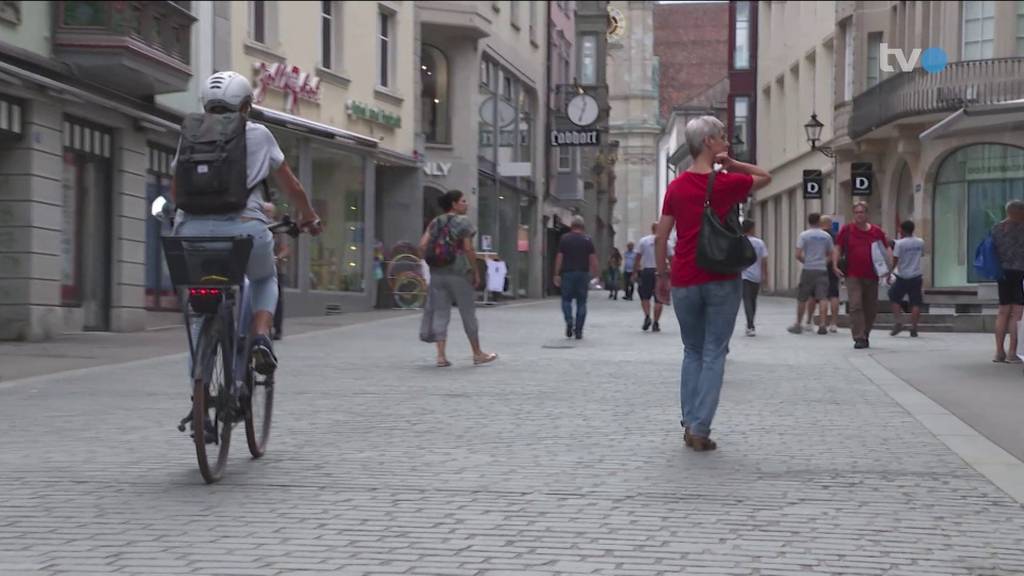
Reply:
x=812, y=184
x=862, y=177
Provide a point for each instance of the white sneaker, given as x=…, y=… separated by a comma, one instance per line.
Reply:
x=832, y=328
x=750, y=332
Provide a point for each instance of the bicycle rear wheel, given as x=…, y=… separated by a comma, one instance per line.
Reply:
x=258, y=405
x=211, y=416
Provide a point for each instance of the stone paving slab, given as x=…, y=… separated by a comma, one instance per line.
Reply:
x=550, y=461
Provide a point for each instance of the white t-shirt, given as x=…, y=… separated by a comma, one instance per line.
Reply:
x=645, y=248
x=496, y=273
x=263, y=156
x=909, y=252
x=817, y=247
x=753, y=273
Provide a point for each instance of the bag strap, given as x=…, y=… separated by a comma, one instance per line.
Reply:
x=711, y=185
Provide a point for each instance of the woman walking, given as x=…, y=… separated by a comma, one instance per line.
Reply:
x=706, y=304
x=613, y=274
x=447, y=246
x=1009, y=239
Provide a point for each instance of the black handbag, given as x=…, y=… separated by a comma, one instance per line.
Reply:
x=722, y=248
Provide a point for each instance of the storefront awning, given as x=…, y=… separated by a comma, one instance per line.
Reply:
x=1001, y=115
x=313, y=128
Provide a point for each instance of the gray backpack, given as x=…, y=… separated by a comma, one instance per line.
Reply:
x=210, y=172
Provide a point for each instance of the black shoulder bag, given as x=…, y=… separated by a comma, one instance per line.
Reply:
x=722, y=248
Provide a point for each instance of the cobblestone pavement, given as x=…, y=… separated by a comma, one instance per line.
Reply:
x=553, y=460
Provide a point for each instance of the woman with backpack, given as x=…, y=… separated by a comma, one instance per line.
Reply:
x=447, y=247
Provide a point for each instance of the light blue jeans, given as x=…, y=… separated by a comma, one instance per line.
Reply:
x=707, y=316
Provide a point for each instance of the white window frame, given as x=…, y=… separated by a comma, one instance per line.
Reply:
x=386, y=43
x=982, y=42
x=746, y=32
x=588, y=74
x=1020, y=27
x=333, y=21
x=873, y=73
x=565, y=157
x=848, y=59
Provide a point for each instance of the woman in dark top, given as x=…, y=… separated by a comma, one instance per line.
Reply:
x=614, y=274
x=1008, y=236
x=450, y=284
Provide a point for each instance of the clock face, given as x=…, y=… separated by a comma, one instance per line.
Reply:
x=582, y=110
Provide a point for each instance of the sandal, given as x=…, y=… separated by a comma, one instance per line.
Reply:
x=485, y=359
x=1000, y=358
x=443, y=363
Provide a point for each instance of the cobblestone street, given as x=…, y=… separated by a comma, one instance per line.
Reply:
x=557, y=459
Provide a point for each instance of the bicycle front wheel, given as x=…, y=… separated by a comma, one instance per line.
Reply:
x=258, y=405
x=211, y=414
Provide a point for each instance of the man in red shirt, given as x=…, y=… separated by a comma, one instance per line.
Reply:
x=705, y=303
x=854, y=242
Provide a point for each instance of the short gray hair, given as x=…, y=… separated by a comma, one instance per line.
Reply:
x=698, y=129
x=578, y=222
x=1015, y=206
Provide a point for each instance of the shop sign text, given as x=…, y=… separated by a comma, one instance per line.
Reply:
x=575, y=137
x=364, y=111
x=436, y=168
x=291, y=80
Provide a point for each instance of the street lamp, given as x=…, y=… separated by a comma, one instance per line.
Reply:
x=813, y=131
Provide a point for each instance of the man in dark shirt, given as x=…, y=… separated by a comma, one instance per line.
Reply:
x=575, y=265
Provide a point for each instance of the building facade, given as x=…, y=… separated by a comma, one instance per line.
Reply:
x=944, y=143
x=634, y=123
x=794, y=76
x=481, y=119
x=742, y=104
x=85, y=254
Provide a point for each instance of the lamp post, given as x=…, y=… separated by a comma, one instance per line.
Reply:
x=813, y=131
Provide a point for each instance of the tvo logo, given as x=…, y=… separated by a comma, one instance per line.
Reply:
x=933, y=59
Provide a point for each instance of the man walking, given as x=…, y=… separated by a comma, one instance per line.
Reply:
x=833, y=280
x=813, y=248
x=575, y=265
x=906, y=261
x=855, y=242
x=753, y=276
x=628, y=262
x=646, y=265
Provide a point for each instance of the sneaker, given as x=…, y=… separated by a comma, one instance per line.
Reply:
x=647, y=323
x=833, y=328
x=896, y=329
x=579, y=334
x=795, y=329
x=568, y=330
x=751, y=332
x=263, y=354
x=860, y=344
x=913, y=332
x=656, y=327
x=822, y=330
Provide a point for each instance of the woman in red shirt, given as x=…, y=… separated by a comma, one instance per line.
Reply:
x=706, y=303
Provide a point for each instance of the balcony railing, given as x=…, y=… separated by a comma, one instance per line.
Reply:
x=153, y=39
x=909, y=94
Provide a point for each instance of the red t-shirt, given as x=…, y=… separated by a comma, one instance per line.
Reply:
x=856, y=244
x=684, y=200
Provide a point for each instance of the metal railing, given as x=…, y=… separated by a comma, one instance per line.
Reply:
x=919, y=92
x=160, y=25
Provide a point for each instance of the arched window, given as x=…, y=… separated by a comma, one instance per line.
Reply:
x=434, y=96
x=972, y=188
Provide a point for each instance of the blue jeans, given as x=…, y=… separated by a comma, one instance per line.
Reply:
x=574, y=287
x=707, y=316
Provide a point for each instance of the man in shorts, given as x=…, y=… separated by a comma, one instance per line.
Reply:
x=813, y=248
x=907, y=281
x=646, y=266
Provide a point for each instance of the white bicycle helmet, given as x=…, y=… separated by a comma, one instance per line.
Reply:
x=228, y=89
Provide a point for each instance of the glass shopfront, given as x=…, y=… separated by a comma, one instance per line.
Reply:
x=971, y=191
x=336, y=256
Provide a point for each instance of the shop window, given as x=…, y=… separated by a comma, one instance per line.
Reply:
x=159, y=290
x=972, y=188
x=86, y=237
x=330, y=35
x=336, y=260
x=874, y=48
x=434, y=105
x=385, y=52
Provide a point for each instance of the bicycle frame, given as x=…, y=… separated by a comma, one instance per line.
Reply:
x=237, y=301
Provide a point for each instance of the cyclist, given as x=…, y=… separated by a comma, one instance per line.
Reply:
x=230, y=92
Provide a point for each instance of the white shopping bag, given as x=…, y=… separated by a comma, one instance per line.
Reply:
x=878, y=258
x=1020, y=340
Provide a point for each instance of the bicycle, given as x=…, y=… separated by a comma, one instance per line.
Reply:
x=209, y=273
